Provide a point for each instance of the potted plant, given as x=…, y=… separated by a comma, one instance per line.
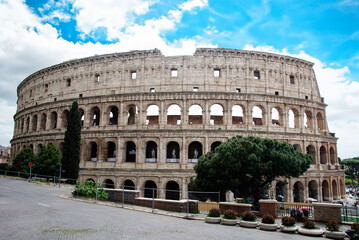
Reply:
x=229, y=218
x=213, y=216
x=310, y=229
x=353, y=232
x=288, y=225
x=332, y=230
x=268, y=223
x=249, y=220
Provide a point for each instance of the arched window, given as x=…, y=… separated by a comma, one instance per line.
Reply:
x=173, y=152
x=129, y=185
x=313, y=189
x=194, y=152
x=276, y=120
x=27, y=127
x=216, y=114
x=172, y=190
x=151, y=152
x=332, y=156
x=108, y=183
x=237, y=115
x=291, y=119
x=298, y=192
x=93, y=151
x=174, y=115
x=95, y=113
x=308, y=120
x=43, y=121
x=335, y=190
x=22, y=125
x=320, y=121
x=311, y=151
x=111, y=152
x=113, y=118
x=281, y=191
x=53, y=120
x=132, y=115
x=39, y=147
x=64, y=118
x=130, y=152
x=195, y=114
x=34, y=123
x=215, y=145
x=152, y=115
x=297, y=147
x=257, y=116
x=325, y=191
x=150, y=189
x=323, y=155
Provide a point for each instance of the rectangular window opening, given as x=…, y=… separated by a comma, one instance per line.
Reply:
x=80, y=95
x=195, y=89
x=291, y=79
x=276, y=93
x=55, y=99
x=256, y=75
x=306, y=97
x=97, y=78
x=152, y=90
x=68, y=82
x=238, y=90
x=133, y=75
x=46, y=87
x=174, y=73
x=216, y=72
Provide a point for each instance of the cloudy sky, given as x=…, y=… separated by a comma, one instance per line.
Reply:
x=38, y=33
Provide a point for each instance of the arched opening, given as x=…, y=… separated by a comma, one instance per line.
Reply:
x=95, y=114
x=150, y=189
x=172, y=190
x=297, y=147
x=194, y=152
x=320, y=121
x=93, y=151
x=257, y=116
x=323, y=155
x=34, y=123
x=293, y=119
x=108, y=183
x=195, y=114
x=151, y=152
x=130, y=152
x=313, y=189
x=129, y=185
x=237, y=115
x=61, y=148
x=111, y=152
x=281, y=191
x=173, y=152
x=298, y=192
x=215, y=145
x=152, y=115
x=82, y=114
x=31, y=147
x=64, y=118
x=27, y=125
x=22, y=125
x=53, y=120
x=132, y=115
x=113, y=116
x=276, y=119
x=342, y=188
x=311, y=151
x=335, y=190
x=39, y=147
x=325, y=191
x=216, y=114
x=174, y=115
x=332, y=155
x=43, y=121
x=90, y=180
x=308, y=120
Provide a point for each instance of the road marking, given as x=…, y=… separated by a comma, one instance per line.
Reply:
x=6, y=188
x=44, y=205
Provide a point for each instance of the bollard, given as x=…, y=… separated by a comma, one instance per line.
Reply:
x=123, y=195
x=18, y=174
x=153, y=200
x=96, y=191
x=187, y=203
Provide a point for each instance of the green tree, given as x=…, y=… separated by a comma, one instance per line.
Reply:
x=71, y=149
x=351, y=168
x=20, y=162
x=248, y=164
x=48, y=160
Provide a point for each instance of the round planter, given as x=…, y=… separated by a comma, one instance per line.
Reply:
x=212, y=219
x=248, y=224
x=310, y=232
x=335, y=235
x=268, y=227
x=231, y=222
x=290, y=229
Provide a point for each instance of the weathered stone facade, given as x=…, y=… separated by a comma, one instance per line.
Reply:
x=139, y=127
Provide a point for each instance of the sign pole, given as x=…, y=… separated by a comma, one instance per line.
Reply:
x=30, y=165
x=60, y=177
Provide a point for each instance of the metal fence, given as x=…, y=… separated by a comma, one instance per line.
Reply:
x=288, y=208
x=350, y=214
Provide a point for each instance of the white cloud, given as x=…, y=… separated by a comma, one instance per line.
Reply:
x=340, y=94
x=191, y=4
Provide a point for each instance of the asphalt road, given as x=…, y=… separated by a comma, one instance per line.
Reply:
x=29, y=211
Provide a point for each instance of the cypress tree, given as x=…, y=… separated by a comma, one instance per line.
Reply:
x=71, y=149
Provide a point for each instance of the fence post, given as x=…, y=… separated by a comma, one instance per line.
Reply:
x=123, y=195
x=18, y=174
x=5, y=172
x=153, y=200
x=219, y=196
x=187, y=202
x=54, y=181
x=96, y=191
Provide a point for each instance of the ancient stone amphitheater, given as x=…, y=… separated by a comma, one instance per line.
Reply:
x=147, y=118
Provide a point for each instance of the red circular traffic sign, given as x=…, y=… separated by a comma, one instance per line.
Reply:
x=30, y=164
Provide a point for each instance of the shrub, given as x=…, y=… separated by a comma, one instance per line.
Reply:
x=332, y=226
x=268, y=219
x=214, y=212
x=229, y=214
x=288, y=221
x=355, y=226
x=89, y=190
x=309, y=224
x=249, y=216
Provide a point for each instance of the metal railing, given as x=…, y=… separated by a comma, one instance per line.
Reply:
x=288, y=208
x=350, y=214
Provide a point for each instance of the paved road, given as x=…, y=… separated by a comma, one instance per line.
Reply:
x=29, y=211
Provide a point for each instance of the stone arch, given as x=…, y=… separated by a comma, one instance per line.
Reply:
x=31, y=147
x=129, y=184
x=308, y=119
x=34, y=123
x=332, y=156
x=216, y=114
x=320, y=121
x=237, y=114
x=342, y=188
x=152, y=115
x=27, y=124
x=82, y=116
x=195, y=114
x=323, y=155
x=95, y=116
x=281, y=191
x=325, y=191
x=174, y=114
x=111, y=151
x=53, y=120
x=293, y=118
x=108, y=183
x=172, y=190
x=43, y=121
x=22, y=125
x=297, y=147
x=151, y=151
x=194, y=151
x=90, y=180
x=313, y=189
x=214, y=145
x=335, y=190
x=132, y=114
x=276, y=114
x=173, y=152
x=258, y=115
x=150, y=189
x=298, y=192
x=113, y=115
x=64, y=118
x=130, y=151
x=39, y=147
x=93, y=149
x=311, y=151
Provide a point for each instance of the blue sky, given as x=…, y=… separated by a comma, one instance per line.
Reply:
x=39, y=33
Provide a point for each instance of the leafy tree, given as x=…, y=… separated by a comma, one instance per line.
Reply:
x=48, y=160
x=20, y=162
x=248, y=164
x=71, y=149
x=352, y=168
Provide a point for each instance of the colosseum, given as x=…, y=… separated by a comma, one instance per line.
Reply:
x=147, y=118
